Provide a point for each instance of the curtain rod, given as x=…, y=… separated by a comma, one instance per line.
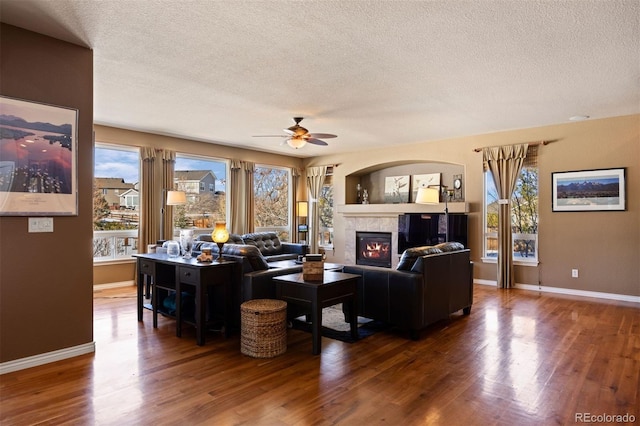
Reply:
x=528, y=143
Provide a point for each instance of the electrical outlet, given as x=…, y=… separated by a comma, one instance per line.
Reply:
x=574, y=273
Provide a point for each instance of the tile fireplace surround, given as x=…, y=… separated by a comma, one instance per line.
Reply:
x=383, y=218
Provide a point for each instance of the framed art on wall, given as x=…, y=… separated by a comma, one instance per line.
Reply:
x=588, y=190
x=38, y=170
x=430, y=180
x=396, y=189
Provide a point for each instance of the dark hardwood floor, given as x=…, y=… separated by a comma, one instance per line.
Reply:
x=520, y=358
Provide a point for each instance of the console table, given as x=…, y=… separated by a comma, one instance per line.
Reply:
x=336, y=287
x=175, y=274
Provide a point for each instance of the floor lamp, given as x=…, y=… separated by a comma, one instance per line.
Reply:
x=174, y=198
x=302, y=211
x=431, y=195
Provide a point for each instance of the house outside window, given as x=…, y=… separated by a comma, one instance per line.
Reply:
x=524, y=218
x=115, y=202
x=193, y=175
x=272, y=200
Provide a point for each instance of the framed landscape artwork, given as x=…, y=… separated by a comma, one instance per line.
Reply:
x=589, y=190
x=38, y=170
x=396, y=189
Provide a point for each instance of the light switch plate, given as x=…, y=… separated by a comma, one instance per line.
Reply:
x=40, y=224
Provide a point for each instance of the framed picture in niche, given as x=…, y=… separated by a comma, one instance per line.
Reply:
x=38, y=159
x=423, y=181
x=396, y=189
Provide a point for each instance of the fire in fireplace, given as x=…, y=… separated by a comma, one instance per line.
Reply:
x=373, y=248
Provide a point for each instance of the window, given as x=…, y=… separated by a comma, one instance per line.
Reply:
x=325, y=205
x=272, y=200
x=192, y=174
x=524, y=217
x=115, y=202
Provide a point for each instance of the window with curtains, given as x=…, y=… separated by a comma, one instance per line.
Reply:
x=524, y=217
x=116, y=202
x=272, y=200
x=325, y=205
x=204, y=180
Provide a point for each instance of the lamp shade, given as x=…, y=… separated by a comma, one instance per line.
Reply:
x=176, y=198
x=303, y=209
x=428, y=196
x=220, y=233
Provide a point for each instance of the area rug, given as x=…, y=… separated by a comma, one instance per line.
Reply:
x=334, y=326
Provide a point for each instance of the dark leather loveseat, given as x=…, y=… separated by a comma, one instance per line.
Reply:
x=429, y=284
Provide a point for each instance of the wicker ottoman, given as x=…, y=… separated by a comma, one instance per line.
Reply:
x=263, y=324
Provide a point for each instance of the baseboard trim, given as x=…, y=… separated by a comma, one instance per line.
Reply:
x=567, y=291
x=114, y=285
x=46, y=358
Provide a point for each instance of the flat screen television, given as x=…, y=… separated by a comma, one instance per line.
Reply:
x=428, y=229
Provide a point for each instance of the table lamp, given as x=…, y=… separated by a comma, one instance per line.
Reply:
x=220, y=235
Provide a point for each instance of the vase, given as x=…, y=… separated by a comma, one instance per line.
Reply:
x=186, y=242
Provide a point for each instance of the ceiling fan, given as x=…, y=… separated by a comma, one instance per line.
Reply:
x=297, y=136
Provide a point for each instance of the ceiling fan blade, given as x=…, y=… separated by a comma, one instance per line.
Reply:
x=322, y=135
x=317, y=141
x=270, y=136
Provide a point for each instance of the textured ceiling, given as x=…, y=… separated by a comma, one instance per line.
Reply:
x=376, y=73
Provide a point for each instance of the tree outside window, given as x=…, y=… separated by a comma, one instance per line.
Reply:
x=524, y=216
x=272, y=200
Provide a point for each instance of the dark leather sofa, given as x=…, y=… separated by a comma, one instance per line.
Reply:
x=252, y=276
x=429, y=284
x=268, y=243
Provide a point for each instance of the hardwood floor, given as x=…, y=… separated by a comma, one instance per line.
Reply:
x=520, y=358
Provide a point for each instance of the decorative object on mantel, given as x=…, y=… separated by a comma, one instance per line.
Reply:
x=396, y=189
x=358, y=189
x=457, y=188
x=220, y=235
x=423, y=181
x=431, y=195
x=365, y=196
x=589, y=190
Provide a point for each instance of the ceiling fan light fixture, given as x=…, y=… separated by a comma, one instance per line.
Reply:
x=296, y=142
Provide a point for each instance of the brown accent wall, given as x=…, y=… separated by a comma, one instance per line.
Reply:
x=46, y=278
x=603, y=246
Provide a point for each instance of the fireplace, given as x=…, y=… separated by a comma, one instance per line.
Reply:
x=373, y=248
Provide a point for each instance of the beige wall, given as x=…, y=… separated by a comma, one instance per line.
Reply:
x=46, y=299
x=603, y=246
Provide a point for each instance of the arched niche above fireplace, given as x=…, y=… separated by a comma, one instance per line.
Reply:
x=373, y=178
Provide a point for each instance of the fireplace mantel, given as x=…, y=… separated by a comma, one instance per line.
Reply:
x=380, y=210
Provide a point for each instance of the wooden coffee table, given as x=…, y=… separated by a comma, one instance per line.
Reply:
x=336, y=287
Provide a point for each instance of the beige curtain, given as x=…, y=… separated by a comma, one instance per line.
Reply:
x=242, y=198
x=168, y=167
x=295, y=183
x=236, y=199
x=149, y=215
x=315, y=180
x=504, y=163
x=249, y=213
